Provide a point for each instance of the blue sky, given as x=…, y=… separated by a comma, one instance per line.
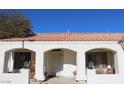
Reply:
x=45, y=21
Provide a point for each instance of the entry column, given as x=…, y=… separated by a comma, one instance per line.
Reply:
x=81, y=66
x=39, y=67
x=2, y=54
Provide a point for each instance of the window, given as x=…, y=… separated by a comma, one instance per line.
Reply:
x=21, y=59
x=102, y=61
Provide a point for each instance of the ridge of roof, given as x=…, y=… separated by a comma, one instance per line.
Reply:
x=80, y=33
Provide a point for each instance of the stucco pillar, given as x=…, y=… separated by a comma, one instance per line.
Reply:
x=11, y=61
x=119, y=64
x=81, y=67
x=2, y=54
x=39, y=67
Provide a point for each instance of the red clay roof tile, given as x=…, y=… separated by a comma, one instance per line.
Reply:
x=71, y=37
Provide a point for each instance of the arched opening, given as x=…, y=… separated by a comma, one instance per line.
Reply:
x=17, y=59
x=103, y=61
x=60, y=62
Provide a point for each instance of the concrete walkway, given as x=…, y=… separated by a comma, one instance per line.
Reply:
x=60, y=80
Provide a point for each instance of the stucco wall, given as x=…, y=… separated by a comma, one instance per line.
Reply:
x=15, y=78
x=69, y=62
x=93, y=78
x=80, y=47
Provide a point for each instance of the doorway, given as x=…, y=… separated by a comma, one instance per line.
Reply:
x=60, y=62
x=56, y=62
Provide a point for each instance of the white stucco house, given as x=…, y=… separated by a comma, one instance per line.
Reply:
x=89, y=57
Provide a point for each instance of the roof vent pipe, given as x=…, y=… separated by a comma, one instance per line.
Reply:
x=22, y=43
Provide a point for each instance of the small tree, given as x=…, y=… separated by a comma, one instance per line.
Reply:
x=14, y=24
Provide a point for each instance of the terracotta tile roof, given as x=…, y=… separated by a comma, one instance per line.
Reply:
x=71, y=37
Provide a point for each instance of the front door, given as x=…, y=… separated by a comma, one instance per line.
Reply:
x=56, y=62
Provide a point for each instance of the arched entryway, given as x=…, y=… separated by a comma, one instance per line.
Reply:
x=17, y=59
x=60, y=62
x=104, y=61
